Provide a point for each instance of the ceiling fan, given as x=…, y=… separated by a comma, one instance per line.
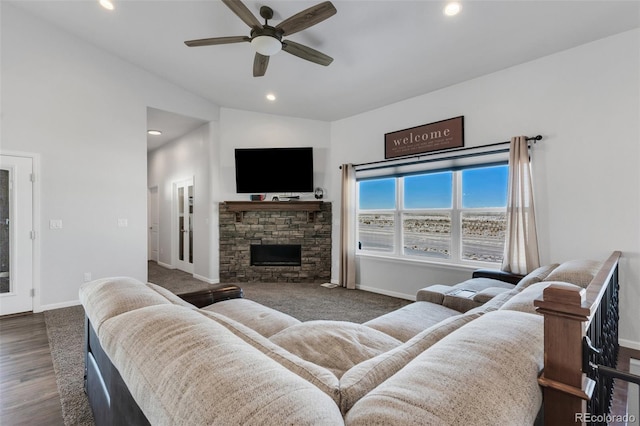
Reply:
x=267, y=40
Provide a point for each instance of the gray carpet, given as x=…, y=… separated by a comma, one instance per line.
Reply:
x=65, y=328
x=303, y=301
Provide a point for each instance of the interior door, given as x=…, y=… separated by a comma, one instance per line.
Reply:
x=16, y=234
x=184, y=208
x=154, y=223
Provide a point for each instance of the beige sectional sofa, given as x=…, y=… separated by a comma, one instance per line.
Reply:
x=237, y=362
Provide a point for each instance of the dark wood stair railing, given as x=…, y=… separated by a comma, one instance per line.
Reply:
x=570, y=315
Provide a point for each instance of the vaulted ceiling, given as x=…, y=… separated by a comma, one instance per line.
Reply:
x=384, y=51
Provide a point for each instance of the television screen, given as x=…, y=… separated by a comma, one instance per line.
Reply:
x=260, y=170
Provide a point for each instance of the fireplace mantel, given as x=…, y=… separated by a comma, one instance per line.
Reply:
x=239, y=207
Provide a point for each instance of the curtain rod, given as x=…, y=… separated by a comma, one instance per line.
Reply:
x=388, y=160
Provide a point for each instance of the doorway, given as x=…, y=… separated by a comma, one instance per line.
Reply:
x=183, y=202
x=16, y=234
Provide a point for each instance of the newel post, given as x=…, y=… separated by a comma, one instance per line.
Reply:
x=565, y=388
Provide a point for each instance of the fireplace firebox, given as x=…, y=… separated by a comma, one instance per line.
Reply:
x=276, y=254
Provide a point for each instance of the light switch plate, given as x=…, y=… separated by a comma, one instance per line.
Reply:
x=55, y=224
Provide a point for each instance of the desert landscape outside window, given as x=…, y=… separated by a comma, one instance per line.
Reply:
x=453, y=216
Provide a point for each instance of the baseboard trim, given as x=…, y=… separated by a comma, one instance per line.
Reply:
x=53, y=306
x=629, y=344
x=166, y=265
x=205, y=279
x=386, y=292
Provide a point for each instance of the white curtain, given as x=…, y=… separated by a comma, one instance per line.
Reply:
x=521, y=245
x=347, y=276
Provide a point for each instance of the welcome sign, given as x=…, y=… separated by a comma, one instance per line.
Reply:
x=436, y=136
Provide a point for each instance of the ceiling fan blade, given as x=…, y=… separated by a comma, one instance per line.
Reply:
x=260, y=63
x=307, y=18
x=216, y=40
x=306, y=52
x=243, y=13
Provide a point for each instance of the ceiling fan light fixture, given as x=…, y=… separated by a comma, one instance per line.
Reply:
x=266, y=45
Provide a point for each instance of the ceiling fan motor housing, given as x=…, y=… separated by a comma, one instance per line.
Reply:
x=267, y=30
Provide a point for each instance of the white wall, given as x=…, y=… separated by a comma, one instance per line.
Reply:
x=84, y=112
x=585, y=102
x=244, y=129
x=185, y=158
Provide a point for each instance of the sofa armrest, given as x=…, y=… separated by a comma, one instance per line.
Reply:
x=497, y=274
x=215, y=293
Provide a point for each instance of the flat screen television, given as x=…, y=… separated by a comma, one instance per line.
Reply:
x=262, y=170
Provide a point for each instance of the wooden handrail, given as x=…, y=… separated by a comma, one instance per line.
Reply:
x=598, y=286
x=568, y=310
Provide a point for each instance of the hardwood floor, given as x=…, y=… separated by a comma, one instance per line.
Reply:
x=28, y=389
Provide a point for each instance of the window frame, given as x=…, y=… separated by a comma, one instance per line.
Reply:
x=456, y=213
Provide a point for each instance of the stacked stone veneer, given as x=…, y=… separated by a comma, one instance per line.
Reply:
x=275, y=227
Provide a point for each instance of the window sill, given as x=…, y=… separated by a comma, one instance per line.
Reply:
x=431, y=263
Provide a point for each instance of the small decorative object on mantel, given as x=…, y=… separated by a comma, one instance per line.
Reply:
x=319, y=193
x=436, y=136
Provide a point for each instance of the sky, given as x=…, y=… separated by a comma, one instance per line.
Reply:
x=481, y=187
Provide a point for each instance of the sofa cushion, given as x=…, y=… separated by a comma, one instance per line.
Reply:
x=536, y=276
x=495, y=303
x=461, y=302
x=324, y=379
x=486, y=373
x=363, y=377
x=411, y=319
x=170, y=296
x=433, y=293
x=183, y=368
x=108, y=297
x=483, y=296
x=578, y=272
x=523, y=301
x=335, y=345
x=264, y=320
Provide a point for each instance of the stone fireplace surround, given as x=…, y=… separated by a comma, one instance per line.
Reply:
x=264, y=222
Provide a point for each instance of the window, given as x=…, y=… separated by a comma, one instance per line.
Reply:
x=454, y=216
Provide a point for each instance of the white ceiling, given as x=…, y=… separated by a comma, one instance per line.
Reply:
x=384, y=51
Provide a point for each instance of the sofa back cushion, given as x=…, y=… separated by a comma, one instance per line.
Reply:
x=411, y=319
x=108, y=297
x=578, y=272
x=184, y=368
x=335, y=345
x=170, y=296
x=536, y=276
x=523, y=301
x=364, y=377
x=264, y=320
x=486, y=372
x=324, y=379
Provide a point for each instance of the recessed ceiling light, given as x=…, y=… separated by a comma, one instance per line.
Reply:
x=271, y=97
x=154, y=132
x=452, y=9
x=107, y=4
